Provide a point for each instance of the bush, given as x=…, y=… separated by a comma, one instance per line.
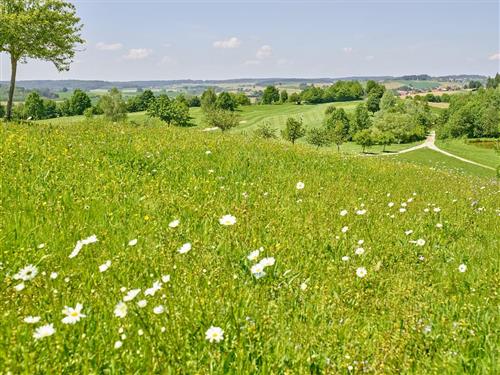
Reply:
x=113, y=106
x=318, y=137
x=224, y=120
x=174, y=112
x=265, y=131
x=294, y=130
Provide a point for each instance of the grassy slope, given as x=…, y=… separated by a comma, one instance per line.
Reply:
x=438, y=161
x=470, y=151
x=63, y=183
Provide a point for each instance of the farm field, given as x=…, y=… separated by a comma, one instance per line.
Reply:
x=366, y=266
x=486, y=156
x=438, y=161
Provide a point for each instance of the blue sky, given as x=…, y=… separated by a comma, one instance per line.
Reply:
x=139, y=40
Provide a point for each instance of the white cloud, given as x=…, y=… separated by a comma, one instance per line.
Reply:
x=495, y=56
x=264, y=52
x=138, y=54
x=109, y=47
x=369, y=58
x=347, y=49
x=228, y=43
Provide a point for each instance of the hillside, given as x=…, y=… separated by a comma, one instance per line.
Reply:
x=404, y=281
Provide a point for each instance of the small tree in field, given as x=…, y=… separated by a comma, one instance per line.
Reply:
x=47, y=30
x=33, y=106
x=338, y=133
x=174, y=112
x=113, y=106
x=224, y=120
x=364, y=138
x=79, y=102
x=265, y=131
x=318, y=137
x=294, y=130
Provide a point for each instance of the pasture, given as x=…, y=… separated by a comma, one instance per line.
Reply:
x=365, y=264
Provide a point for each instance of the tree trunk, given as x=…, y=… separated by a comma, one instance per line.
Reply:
x=13, y=64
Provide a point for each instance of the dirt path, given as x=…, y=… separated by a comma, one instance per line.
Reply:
x=430, y=144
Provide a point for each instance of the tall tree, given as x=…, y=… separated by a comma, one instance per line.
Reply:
x=294, y=130
x=271, y=95
x=47, y=30
x=79, y=102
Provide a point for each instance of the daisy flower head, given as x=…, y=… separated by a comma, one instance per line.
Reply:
x=142, y=303
x=132, y=242
x=155, y=288
x=361, y=272
x=360, y=212
x=268, y=262
x=118, y=344
x=258, y=270
x=165, y=278
x=44, y=331
x=185, y=248
x=159, y=310
x=359, y=251
x=437, y=209
x=214, y=334
x=19, y=287
x=391, y=204
x=343, y=213
x=303, y=286
x=420, y=242
x=73, y=315
x=408, y=232
x=227, y=220
x=41, y=246
x=345, y=258
x=345, y=229
x=131, y=295
x=254, y=255
x=31, y=319
x=81, y=243
x=174, y=224
x=104, y=267
x=462, y=268
x=27, y=273
x=53, y=275
x=300, y=185
x=121, y=310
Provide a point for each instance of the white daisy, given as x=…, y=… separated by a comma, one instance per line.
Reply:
x=420, y=242
x=31, y=319
x=359, y=251
x=437, y=209
x=267, y=262
x=140, y=332
x=361, y=242
x=303, y=286
x=391, y=204
x=214, y=334
x=343, y=213
x=155, y=288
x=165, y=278
x=159, y=310
x=104, y=267
x=19, y=287
x=41, y=246
x=258, y=270
x=227, y=220
x=361, y=272
x=53, y=275
x=345, y=229
x=142, y=303
x=27, y=273
x=118, y=344
x=408, y=232
x=360, y=212
x=174, y=224
x=132, y=242
x=254, y=255
x=402, y=210
x=462, y=268
x=81, y=243
x=131, y=295
x=44, y=331
x=300, y=185
x=184, y=248
x=121, y=310
x=439, y=225
x=345, y=258
x=73, y=315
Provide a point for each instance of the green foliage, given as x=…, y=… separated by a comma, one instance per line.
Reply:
x=294, y=130
x=404, y=127
x=271, y=95
x=375, y=91
x=2, y=111
x=224, y=120
x=337, y=123
x=338, y=92
x=225, y=102
x=473, y=115
x=33, y=107
x=474, y=85
x=79, y=102
x=89, y=113
x=388, y=101
x=194, y=101
x=283, y=96
x=241, y=99
x=318, y=137
x=265, y=131
x=36, y=29
x=360, y=119
x=113, y=106
x=365, y=138
x=208, y=100
x=294, y=98
x=49, y=108
x=173, y=112
x=493, y=83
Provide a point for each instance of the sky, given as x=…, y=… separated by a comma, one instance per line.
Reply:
x=206, y=39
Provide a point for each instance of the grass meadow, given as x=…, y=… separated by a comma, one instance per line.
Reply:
x=364, y=264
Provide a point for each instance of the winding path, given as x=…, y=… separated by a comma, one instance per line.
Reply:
x=430, y=143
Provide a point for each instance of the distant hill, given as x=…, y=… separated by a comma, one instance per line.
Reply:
x=60, y=85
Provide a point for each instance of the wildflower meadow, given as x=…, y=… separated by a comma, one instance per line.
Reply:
x=149, y=249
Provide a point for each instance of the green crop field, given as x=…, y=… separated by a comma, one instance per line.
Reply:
x=365, y=264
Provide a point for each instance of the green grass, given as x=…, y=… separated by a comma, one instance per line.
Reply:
x=64, y=182
x=470, y=151
x=438, y=161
